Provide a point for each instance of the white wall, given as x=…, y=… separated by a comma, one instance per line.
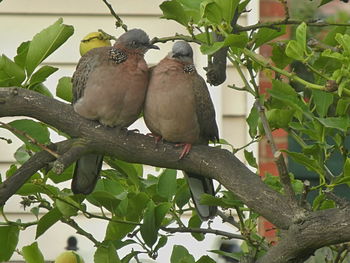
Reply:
x=20, y=20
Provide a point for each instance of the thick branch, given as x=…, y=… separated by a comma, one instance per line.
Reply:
x=136, y=148
x=10, y=186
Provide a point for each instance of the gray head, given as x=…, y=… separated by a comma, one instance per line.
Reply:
x=136, y=39
x=182, y=51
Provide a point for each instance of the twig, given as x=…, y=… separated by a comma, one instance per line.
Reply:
x=306, y=190
x=275, y=24
x=279, y=159
x=30, y=139
x=228, y=219
x=80, y=231
x=174, y=38
x=202, y=231
x=119, y=22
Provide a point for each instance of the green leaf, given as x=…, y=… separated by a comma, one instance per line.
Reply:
x=231, y=40
x=249, y=156
x=182, y=194
x=148, y=229
x=46, y=42
x=167, y=184
x=8, y=241
x=279, y=118
x=265, y=35
x=346, y=169
x=195, y=222
x=279, y=55
x=21, y=155
x=41, y=75
x=36, y=130
x=211, y=11
x=22, y=50
x=323, y=2
x=330, y=37
x=64, y=89
x=322, y=101
x=205, y=259
x=309, y=163
x=301, y=35
x=106, y=252
x=295, y=50
x=253, y=120
x=32, y=254
x=161, y=243
x=342, y=106
x=181, y=255
x=340, y=123
x=173, y=10
x=285, y=93
x=68, y=207
x=41, y=88
x=228, y=8
x=59, y=178
x=11, y=74
x=48, y=220
x=344, y=41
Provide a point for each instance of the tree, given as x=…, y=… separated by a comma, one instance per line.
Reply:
x=314, y=113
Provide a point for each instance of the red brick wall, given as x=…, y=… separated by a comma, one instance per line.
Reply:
x=270, y=10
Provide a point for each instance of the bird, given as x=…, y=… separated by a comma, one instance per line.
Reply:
x=178, y=109
x=109, y=86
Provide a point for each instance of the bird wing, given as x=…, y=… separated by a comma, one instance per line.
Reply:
x=205, y=111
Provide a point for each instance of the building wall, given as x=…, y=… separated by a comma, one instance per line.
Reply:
x=20, y=20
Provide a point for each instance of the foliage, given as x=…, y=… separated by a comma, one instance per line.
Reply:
x=139, y=208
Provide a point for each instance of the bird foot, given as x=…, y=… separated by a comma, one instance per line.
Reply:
x=187, y=148
x=156, y=137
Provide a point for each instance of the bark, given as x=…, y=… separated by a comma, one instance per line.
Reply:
x=303, y=231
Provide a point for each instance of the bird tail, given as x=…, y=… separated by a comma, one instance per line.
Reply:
x=199, y=185
x=86, y=172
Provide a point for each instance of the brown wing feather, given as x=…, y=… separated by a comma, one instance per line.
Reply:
x=85, y=65
x=205, y=111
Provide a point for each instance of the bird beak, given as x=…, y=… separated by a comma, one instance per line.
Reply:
x=151, y=46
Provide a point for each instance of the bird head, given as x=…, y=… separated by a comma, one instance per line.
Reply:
x=182, y=51
x=135, y=39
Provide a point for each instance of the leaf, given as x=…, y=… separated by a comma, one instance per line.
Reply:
x=161, y=243
x=340, y=123
x=231, y=40
x=22, y=50
x=344, y=41
x=59, y=178
x=330, y=37
x=32, y=254
x=181, y=255
x=160, y=212
x=309, y=163
x=46, y=42
x=249, y=156
x=342, y=106
x=322, y=101
x=68, y=207
x=284, y=92
x=196, y=222
x=148, y=228
x=41, y=75
x=11, y=74
x=167, y=184
x=21, y=155
x=173, y=10
x=205, y=259
x=36, y=130
x=295, y=50
x=301, y=35
x=182, y=194
x=106, y=253
x=265, y=35
x=41, y=88
x=64, y=89
x=346, y=169
x=323, y=2
x=279, y=118
x=279, y=56
x=8, y=241
x=211, y=11
x=48, y=220
x=253, y=120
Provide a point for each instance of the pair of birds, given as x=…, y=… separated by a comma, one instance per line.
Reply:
x=114, y=84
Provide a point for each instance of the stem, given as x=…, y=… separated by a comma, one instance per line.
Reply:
x=119, y=22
